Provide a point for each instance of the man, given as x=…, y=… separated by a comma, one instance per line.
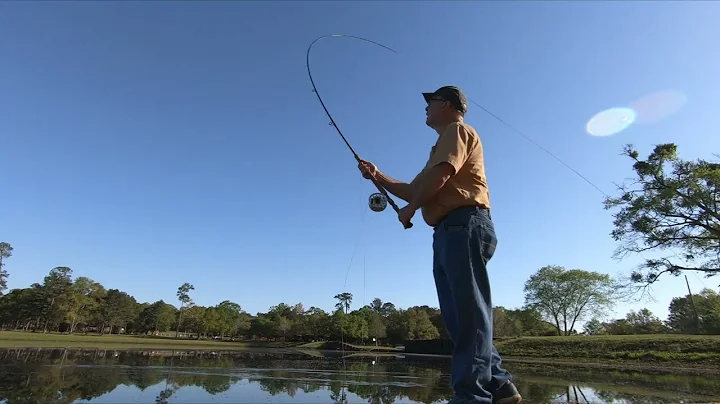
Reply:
x=452, y=193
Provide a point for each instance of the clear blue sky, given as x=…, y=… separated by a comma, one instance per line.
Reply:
x=149, y=144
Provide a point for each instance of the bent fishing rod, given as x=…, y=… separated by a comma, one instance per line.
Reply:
x=374, y=180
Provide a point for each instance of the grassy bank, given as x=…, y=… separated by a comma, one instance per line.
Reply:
x=645, y=350
x=688, y=349
x=18, y=339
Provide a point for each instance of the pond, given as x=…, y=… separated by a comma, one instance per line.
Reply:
x=287, y=376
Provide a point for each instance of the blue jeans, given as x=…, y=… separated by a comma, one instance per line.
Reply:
x=463, y=244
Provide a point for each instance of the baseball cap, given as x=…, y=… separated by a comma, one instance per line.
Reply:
x=451, y=94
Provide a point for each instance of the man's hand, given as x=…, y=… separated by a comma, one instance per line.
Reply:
x=367, y=169
x=400, y=189
x=406, y=214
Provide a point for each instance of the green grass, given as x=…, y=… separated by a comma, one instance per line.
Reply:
x=646, y=349
x=17, y=339
x=697, y=349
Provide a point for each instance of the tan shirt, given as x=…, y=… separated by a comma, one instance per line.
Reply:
x=460, y=146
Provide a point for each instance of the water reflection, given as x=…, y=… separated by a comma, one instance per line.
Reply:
x=104, y=376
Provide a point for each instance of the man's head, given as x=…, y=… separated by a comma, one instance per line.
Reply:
x=446, y=105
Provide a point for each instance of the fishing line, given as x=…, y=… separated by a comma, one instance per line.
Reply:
x=517, y=131
x=367, y=331
x=357, y=243
x=502, y=121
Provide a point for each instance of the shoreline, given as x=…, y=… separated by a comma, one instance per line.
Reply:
x=667, y=367
x=624, y=366
x=648, y=354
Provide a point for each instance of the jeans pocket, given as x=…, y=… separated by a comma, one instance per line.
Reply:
x=488, y=241
x=453, y=228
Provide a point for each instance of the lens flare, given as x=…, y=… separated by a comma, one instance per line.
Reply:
x=610, y=121
x=657, y=106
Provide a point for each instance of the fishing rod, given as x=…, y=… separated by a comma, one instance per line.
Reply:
x=376, y=201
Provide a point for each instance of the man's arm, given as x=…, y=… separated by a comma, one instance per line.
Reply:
x=400, y=189
x=451, y=152
x=432, y=182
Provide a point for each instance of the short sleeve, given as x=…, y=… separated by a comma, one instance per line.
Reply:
x=453, y=147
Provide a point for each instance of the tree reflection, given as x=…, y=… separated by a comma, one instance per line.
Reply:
x=170, y=387
x=338, y=394
x=65, y=376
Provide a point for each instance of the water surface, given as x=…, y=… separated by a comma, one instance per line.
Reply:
x=285, y=376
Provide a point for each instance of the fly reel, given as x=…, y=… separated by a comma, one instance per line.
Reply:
x=377, y=202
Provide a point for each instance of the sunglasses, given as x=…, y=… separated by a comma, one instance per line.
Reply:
x=436, y=99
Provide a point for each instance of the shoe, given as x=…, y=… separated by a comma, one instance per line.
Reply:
x=507, y=394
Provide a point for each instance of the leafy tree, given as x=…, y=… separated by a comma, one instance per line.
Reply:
x=282, y=325
x=348, y=327
x=376, y=327
x=388, y=309
x=212, y=321
x=20, y=308
x=183, y=295
x=234, y=320
x=436, y=319
x=532, y=322
x=644, y=322
x=672, y=204
x=418, y=325
x=157, y=317
x=5, y=252
x=505, y=324
x=83, y=301
x=681, y=317
x=56, y=290
x=395, y=323
x=262, y=327
x=344, y=301
x=618, y=327
x=374, y=323
x=135, y=325
x=317, y=323
x=282, y=310
x=117, y=309
x=377, y=306
x=567, y=296
x=594, y=327
x=194, y=320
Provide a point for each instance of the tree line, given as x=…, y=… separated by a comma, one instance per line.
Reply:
x=672, y=204
x=682, y=319
x=689, y=314
x=556, y=301
x=82, y=305
x=564, y=298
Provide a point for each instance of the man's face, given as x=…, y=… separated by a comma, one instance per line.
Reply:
x=433, y=111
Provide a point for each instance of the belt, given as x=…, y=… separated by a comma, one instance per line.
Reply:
x=463, y=208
